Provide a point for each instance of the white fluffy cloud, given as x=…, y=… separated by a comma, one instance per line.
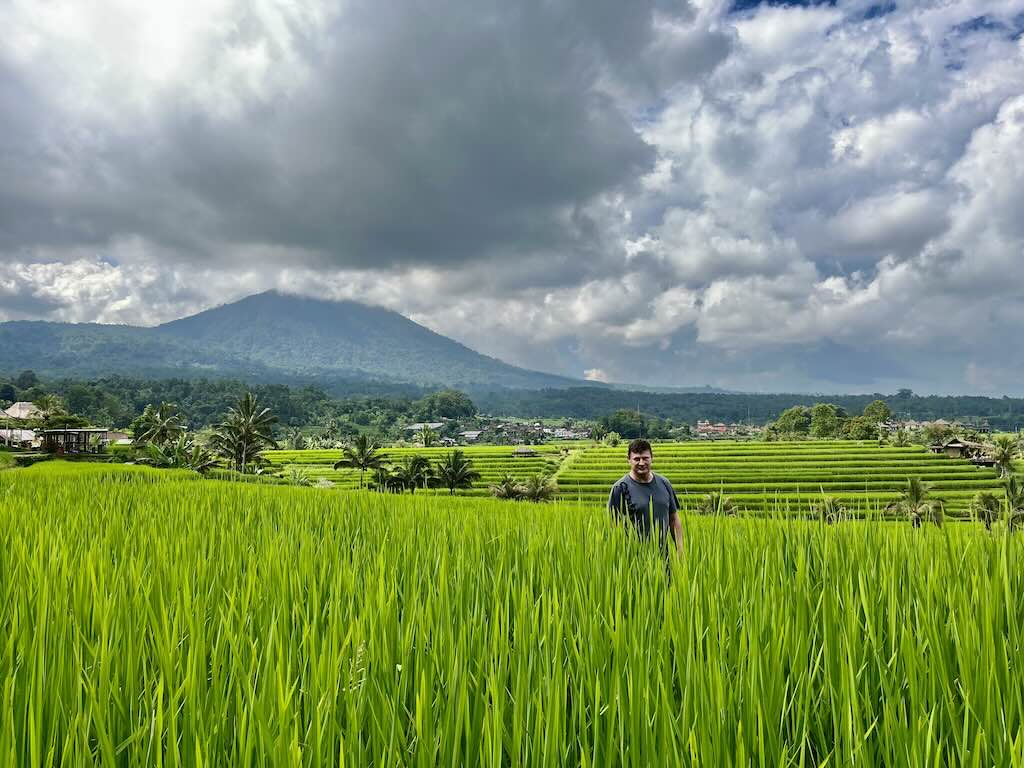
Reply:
x=785, y=197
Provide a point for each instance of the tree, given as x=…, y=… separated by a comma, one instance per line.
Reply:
x=507, y=488
x=296, y=440
x=456, y=471
x=183, y=453
x=539, y=488
x=1004, y=451
x=245, y=432
x=716, y=503
x=361, y=454
x=26, y=380
x=826, y=420
x=860, y=428
x=427, y=437
x=8, y=393
x=612, y=439
x=299, y=476
x=900, y=438
x=877, y=411
x=413, y=472
x=915, y=504
x=49, y=406
x=446, y=404
x=158, y=426
x=794, y=421
x=985, y=506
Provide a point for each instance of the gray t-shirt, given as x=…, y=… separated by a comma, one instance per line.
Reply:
x=644, y=504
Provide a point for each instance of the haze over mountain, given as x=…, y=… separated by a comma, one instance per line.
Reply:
x=271, y=337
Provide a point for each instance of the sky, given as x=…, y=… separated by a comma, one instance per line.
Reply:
x=812, y=198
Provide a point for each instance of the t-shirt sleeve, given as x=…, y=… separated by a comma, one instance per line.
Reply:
x=673, y=499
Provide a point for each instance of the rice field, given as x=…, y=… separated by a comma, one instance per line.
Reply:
x=148, y=618
x=491, y=461
x=757, y=477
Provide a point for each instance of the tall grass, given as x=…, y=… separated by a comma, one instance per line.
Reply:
x=147, y=619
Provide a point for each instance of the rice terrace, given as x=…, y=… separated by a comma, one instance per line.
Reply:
x=154, y=617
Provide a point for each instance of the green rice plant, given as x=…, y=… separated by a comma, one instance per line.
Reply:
x=154, y=618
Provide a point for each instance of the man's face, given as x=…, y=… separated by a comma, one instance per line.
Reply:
x=640, y=464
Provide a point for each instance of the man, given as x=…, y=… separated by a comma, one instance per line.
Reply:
x=645, y=499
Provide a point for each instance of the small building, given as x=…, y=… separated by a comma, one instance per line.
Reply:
x=523, y=452
x=419, y=426
x=962, y=449
x=23, y=411
x=78, y=440
x=471, y=435
x=17, y=438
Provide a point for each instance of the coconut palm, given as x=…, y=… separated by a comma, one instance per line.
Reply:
x=456, y=471
x=49, y=406
x=245, y=432
x=716, y=503
x=1004, y=450
x=830, y=510
x=427, y=437
x=183, y=453
x=385, y=481
x=915, y=504
x=507, y=488
x=362, y=454
x=539, y=488
x=159, y=426
x=1014, y=501
x=985, y=506
x=413, y=472
x=900, y=438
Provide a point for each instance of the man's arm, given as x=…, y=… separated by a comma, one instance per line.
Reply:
x=673, y=519
x=615, y=503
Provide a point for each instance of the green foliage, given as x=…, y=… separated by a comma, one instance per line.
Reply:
x=445, y=404
x=244, y=434
x=611, y=439
x=916, y=505
x=1005, y=449
x=986, y=506
x=794, y=421
x=412, y=472
x=631, y=423
x=538, y=488
x=158, y=425
x=507, y=488
x=362, y=454
x=877, y=411
x=717, y=504
x=860, y=428
x=826, y=420
x=455, y=472
x=830, y=510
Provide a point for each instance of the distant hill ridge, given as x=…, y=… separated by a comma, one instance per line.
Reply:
x=270, y=336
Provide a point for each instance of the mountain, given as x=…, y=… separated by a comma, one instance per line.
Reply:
x=268, y=337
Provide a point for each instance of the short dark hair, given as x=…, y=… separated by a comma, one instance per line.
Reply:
x=638, y=446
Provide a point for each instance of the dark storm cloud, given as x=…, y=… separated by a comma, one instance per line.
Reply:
x=429, y=134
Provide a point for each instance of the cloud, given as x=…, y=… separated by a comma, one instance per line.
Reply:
x=595, y=374
x=775, y=197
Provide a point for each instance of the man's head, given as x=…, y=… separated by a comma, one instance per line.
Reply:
x=640, y=459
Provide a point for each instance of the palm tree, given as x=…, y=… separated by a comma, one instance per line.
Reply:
x=159, y=426
x=183, y=453
x=507, y=488
x=986, y=507
x=296, y=441
x=427, y=437
x=49, y=406
x=830, y=510
x=384, y=480
x=716, y=503
x=900, y=438
x=539, y=488
x=245, y=432
x=456, y=471
x=362, y=454
x=915, y=504
x=1004, y=451
x=1014, y=500
x=413, y=472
